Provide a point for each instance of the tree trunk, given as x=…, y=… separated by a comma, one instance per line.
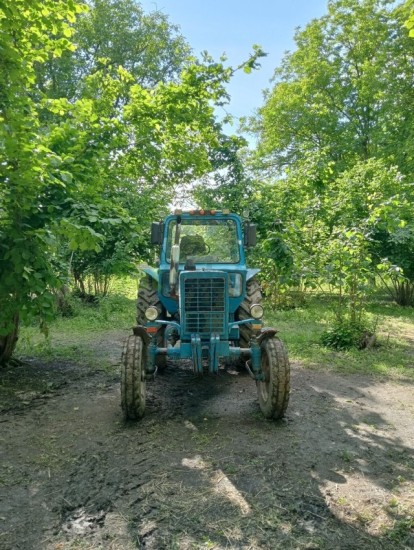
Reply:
x=404, y=295
x=8, y=342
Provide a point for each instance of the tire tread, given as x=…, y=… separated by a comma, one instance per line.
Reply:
x=253, y=296
x=133, y=383
x=279, y=387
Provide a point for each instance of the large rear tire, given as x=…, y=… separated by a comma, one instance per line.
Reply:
x=148, y=296
x=133, y=384
x=274, y=390
x=253, y=296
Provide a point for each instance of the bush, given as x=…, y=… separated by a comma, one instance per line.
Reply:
x=346, y=334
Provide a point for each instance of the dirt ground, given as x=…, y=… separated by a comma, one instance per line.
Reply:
x=203, y=469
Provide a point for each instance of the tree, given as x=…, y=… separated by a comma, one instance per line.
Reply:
x=344, y=93
x=409, y=23
x=170, y=138
x=392, y=242
x=121, y=34
x=75, y=170
x=335, y=145
x=31, y=31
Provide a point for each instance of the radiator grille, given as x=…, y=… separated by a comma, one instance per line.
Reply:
x=205, y=306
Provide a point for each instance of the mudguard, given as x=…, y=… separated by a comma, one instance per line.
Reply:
x=140, y=331
x=265, y=334
x=151, y=271
x=251, y=273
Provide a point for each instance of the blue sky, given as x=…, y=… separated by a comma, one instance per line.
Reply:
x=231, y=27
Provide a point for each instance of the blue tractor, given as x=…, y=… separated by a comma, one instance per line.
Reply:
x=203, y=303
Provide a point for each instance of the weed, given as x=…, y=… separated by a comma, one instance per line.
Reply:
x=345, y=334
x=204, y=439
x=364, y=517
x=75, y=337
x=399, y=479
x=207, y=543
x=401, y=531
x=346, y=456
x=393, y=502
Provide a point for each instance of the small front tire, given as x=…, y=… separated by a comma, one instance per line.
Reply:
x=133, y=384
x=274, y=390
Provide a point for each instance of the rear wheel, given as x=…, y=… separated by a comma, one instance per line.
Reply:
x=274, y=390
x=148, y=296
x=253, y=296
x=133, y=384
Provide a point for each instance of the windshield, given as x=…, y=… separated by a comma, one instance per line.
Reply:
x=205, y=241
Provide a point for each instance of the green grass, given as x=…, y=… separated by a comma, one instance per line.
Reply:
x=86, y=335
x=79, y=337
x=301, y=330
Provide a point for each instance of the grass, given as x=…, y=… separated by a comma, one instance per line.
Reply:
x=84, y=336
x=301, y=329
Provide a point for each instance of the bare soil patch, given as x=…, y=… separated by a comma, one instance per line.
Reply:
x=203, y=469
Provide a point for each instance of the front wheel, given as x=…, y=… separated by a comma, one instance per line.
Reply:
x=133, y=385
x=274, y=390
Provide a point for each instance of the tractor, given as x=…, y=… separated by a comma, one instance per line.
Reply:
x=203, y=303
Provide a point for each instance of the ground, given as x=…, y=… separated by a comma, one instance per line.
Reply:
x=203, y=469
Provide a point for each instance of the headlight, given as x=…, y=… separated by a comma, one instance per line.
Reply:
x=151, y=313
x=256, y=311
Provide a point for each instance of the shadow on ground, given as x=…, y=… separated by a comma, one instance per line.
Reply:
x=203, y=469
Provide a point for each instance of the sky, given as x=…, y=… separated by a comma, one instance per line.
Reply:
x=232, y=27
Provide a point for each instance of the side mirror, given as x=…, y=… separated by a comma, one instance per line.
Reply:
x=157, y=232
x=250, y=238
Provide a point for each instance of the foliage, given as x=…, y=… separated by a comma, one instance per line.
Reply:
x=344, y=334
x=409, y=23
x=116, y=251
x=228, y=185
x=326, y=236
x=334, y=158
x=301, y=328
x=69, y=336
x=31, y=31
x=392, y=243
x=80, y=173
x=147, y=45
x=344, y=93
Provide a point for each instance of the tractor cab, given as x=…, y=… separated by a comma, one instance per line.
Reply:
x=203, y=240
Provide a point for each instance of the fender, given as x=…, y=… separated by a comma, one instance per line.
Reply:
x=151, y=271
x=140, y=331
x=265, y=334
x=251, y=273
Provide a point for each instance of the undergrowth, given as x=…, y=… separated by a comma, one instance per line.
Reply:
x=84, y=335
x=302, y=329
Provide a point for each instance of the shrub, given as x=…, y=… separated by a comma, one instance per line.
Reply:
x=346, y=333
